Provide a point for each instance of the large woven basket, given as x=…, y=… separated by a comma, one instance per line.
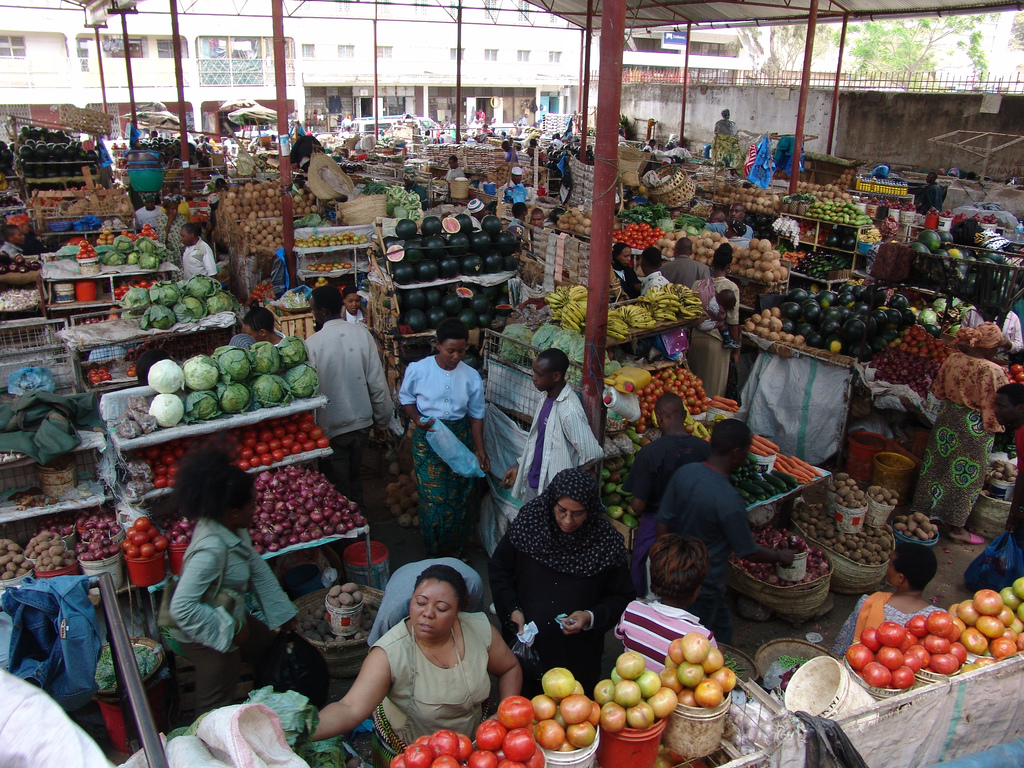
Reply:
x=111, y=694
x=988, y=518
x=365, y=209
x=795, y=603
x=772, y=651
x=344, y=657
x=850, y=577
x=459, y=189
x=676, y=187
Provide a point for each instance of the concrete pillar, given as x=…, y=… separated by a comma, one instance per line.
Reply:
x=425, y=112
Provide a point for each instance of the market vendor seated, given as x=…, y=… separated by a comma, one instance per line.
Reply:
x=257, y=325
x=911, y=567
x=734, y=227
x=428, y=672
x=197, y=258
x=476, y=210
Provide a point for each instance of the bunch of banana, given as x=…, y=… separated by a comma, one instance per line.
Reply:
x=637, y=316
x=561, y=296
x=574, y=313
x=663, y=304
x=700, y=429
x=692, y=308
x=618, y=326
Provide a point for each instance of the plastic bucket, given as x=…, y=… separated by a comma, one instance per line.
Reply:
x=85, y=290
x=861, y=450
x=931, y=221
x=765, y=464
x=578, y=758
x=1000, y=489
x=849, y=520
x=878, y=514
x=87, y=267
x=695, y=732
x=58, y=476
x=113, y=565
x=113, y=717
x=301, y=580
x=344, y=619
x=13, y=583
x=895, y=472
x=67, y=570
x=377, y=574
x=988, y=518
x=145, y=572
x=490, y=189
x=146, y=179
x=632, y=747
x=794, y=572
x=864, y=248
x=176, y=558
x=822, y=688
x=945, y=223
x=63, y=293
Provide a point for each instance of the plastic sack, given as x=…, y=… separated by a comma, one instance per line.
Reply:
x=453, y=451
x=998, y=566
x=292, y=664
x=673, y=344
x=30, y=380
x=522, y=649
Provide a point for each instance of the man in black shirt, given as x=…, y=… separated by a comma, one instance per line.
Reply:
x=652, y=468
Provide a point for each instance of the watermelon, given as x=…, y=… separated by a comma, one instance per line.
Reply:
x=479, y=304
x=427, y=272
x=509, y=264
x=490, y=224
x=434, y=246
x=403, y=273
x=506, y=243
x=449, y=267
x=466, y=221
x=450, y=224
x=790, y=310
x=414, y=299
x=415, y=319
x=435, y=315
x=431, y=225
x=471, y=265
x=451, y=304
x=405, y=228
x=458, y=244
x=853, y=330
x=468, y=318
x=930, y=238
x=492, y=263
x=433, y=296
x=920, y=247
x=480, y=242
x=799, y=295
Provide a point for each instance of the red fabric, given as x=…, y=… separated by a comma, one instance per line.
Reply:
x=1018, y=440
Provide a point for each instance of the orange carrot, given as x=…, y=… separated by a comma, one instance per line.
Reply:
x=765, y=445
x=767, y=442
x=727, y=401
x=754, y=449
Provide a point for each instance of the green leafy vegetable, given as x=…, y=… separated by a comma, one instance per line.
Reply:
x=189, y=309
x=233, y=362
x=270, y=390
x=292, y=350
x=201, y=373
x=645, y=213
x=200, y=286
x=201, y=406
x=302, y=380
x=159, y=317
x=165, y=293
x=234, y=397
x=265, y=357
x=220, y=301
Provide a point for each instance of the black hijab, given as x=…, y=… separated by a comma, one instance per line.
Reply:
x=595, y=547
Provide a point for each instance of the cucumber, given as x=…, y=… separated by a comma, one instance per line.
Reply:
x=749, y=488
x=776, y=483
x=791, y=482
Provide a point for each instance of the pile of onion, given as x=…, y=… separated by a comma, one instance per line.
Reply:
x=773, y=538
x=179, y=531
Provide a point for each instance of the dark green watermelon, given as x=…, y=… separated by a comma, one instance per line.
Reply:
x=451, y=304
x=790, y=309
x=492, y=262
x=506, y=243
x=480, y=243
x=853, y=330
x=491, y=225
x=458, y=244
x=405, y=228
x=434, y=246
x=805, y=330
x=485, y=319
x=435, y=315
x=471, y=265
x=414, y=299
x=427, y=271
x=814, y=340
x=811, y=311
x=509, y=264
x=449, y=267
x=826, y=299
x=899, y=301
x=431, y=225
x=479, y=304
x=415, y=319
x=468, y=318
x=788, y=326
x=829, y=327
x=433, y=296
x=466, y=221
x=413, y=255
x=403, y=273
x=799, y=295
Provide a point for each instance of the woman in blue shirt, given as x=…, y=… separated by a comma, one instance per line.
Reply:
x=443, y=388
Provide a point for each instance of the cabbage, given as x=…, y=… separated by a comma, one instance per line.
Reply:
x=124, y=244
x=292, y=350
x=928, y=317
x=145, y=245
x=168, y=410
x=265, y=357
x=201, y=373
x=200, y=286
x=164, y=292
x=512, y=352
x=112, y=259
x=939, y=305
x=201, y=406
x=136, y=298
x=544, y=336
x=270, y=390
x=158, y=317
x=133, y=258
x=166, y=377
x=219, y=301
x=234, y=397
x=149, y=261
x=189, y=309
x=233, y=362
x=302, y=380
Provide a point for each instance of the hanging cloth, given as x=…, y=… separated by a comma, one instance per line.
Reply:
x=763, y=166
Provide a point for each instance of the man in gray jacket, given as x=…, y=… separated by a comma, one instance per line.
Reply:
x=351, y=375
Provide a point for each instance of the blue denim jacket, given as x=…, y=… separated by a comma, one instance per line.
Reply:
x=56, y=640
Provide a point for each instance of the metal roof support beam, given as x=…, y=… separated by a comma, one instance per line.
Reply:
x=606, y=175
x=686, y=84
x=99, y=63
x=376, y=56
x=835, y=89
x=588, y=37
x=179, y=82
x=281, y=83
x=128, y=67
x=458, y=76
x=801, y=110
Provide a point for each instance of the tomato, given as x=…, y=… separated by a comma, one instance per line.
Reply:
x=142, y=524
x=287, y=443
x=917, y=626
x=537, y=761
x=959, y=652
x=890, y=658
x=249, y=441
x=519, y=744
x=274, y=445
x=859, y=656
x=168, y=458
x=266, y=435
x=397, y=762
x=876, y=675
x=159, y=470
x=911, y=661
x=870, y=638
x=147, y=550
x=160, y=543
x=323, y=442
x=891, y=634
x=944, y=663
x=316, y=433
x=138, y=538
x=246, y=454
x=418, y=756
x=511, y=764
x=261, y=449
x=291, y=428
x=277, y=456
x=301, y=436
x=482, y=759
x=939, y=621
x=490, y=734
x=921, y=652
x=131, y=551
x=296, y=449
x=445, y=742
x=515, y=712
x=266, y=460
x=902, y=678
x=936, y=645
x=245, y=466
x=445, y=761
x=152, y=453
x=179, y=451
x=279, y=432
x=308, y=446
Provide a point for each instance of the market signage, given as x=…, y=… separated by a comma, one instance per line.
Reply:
x=673, y=39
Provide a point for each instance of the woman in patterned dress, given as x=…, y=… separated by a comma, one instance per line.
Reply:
x=953, y=468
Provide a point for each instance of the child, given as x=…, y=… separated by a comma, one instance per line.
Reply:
x=353, y=304
x=650, y=271
x=197, y=258
x=717, y=304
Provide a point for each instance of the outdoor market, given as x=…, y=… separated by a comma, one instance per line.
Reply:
x=426, y=444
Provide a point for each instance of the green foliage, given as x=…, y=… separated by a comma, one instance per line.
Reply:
x=913, y=45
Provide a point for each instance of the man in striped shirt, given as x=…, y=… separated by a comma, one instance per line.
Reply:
x=560, y=436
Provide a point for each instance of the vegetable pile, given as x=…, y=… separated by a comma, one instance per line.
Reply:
x=403, y=501
x=1004, y=471
x=916, y=526
x=167, y=303
x=48, y=552
x=869, y=547
x=848, y=493
x=13, y=564
x=638, y=236
x=911, y=370
x=143, y=540
x=144, y=250
x=19, y=300
x=254, y=209
x=106, y=678
x=774, y=538
x=916, y=340
x=316, y=626
x=575, y=220
x=883, y=496
x=100, y=537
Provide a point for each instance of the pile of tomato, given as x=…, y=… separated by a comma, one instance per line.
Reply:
x=638, y=236
x=682, y=382
x=143, y=540
x=917, y=341
x=99, y=375
x=1016, y=373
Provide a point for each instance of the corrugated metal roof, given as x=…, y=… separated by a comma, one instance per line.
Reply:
x=659, y=13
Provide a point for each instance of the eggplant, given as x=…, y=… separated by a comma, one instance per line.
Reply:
x=4, y=269
x=34, y=266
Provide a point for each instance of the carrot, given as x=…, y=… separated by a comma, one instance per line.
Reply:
x=754, y=449
x=767, y=442
x=788, y=465
x=727, y=401
x=765, y=445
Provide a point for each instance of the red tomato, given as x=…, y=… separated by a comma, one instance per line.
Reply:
x=511, y=764
x=274, y=445
x=279, y=432
x=902, y=677
x=247, y=453
x=938, y=623
x=890, y=658
x=959, y=652
x=323, y=442
x=445, y=761
x=292, y=428
x=250, y=441
x=160, y=481
x=537, y=761
x=418, y=756
x=870, y=638
x=244, y=465
x=859, y=656
x=160, y=543
x=519, y=744
x=147, y=550
x=277, y=455
x=917, y=626
x=482, y=759
x=935, y=645
x=168, y=458
x=308, y=446
x=515, y=712
x=944, y=663
x=142, y=524
x=490, y=734
x=921, y=652
x=266, y=460
x=316, y=433
x=261, y=449
x=287, y=443
x=891, y=634
x=296, y=449
x=445, y=742
x=397, y=762
x=877, y=675
x=911, y=661
x=266, y=435
x=465, y=747
x=179, y=451
x=131, y=551
x=160, y=469
x=301, y=436
x=153, y=452
x=138, y=538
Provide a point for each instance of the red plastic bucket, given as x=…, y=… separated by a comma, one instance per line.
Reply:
x=176, y=557
x=931, y=221
x=379, y=571
x=632, y=747
x=67, y=570
x=146, y=572
x=861, y=450
x=113, y=717
x=85, y=290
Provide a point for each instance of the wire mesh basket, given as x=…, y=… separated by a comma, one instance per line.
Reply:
x=34, y=342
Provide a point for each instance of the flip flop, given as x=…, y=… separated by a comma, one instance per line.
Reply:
x=972, y=539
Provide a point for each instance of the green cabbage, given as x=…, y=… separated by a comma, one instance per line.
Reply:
x=188, y=310
x=145, y=245
x=168, y=410
x=201, y=406
x=158, y=317
x=512, y=352
x=292, y=350
x=112, y=259
x=164, y=292
x=201, y=373
x=133, y=258
x=302, y=380
x=200, y=286
x=270, y=390
x=234, y=397
x=233, y=362
x=166, y=377
x=544, y=337
x=136, y=299
x=219, y=301
x=265, y=357
x=149, y=261
x=928, y=317
x=124, y=244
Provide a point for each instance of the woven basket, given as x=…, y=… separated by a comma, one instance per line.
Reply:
x=459, y=189
x=111, y=694
x=19, y=278
x=365, y=209
x=849, y=577
x=988, y=518
x=344, y=657
x=772, y=651
x=676, y=188
x=795, y=603
x=85, y=120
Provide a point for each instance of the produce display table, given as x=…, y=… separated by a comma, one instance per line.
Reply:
x=109, y=278
x=310, y=256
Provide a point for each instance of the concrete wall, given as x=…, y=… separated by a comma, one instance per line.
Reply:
x=873, y=126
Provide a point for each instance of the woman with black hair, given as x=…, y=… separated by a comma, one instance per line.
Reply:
x=627, y=277
x=213, y=628
x=257, y=325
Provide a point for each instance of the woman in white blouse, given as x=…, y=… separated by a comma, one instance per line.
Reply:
x=443, y=388
x=353, y=304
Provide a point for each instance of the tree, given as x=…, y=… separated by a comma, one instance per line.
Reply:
x=786, y=46
x=912, y=45
x=1017, y=32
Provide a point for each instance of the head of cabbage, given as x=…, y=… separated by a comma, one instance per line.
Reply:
x=302, y=380
x=265, y=357
x=149, y=261
x=292, y=350
x=164, y=292
x=201, y=406
x=113, y=258
x=189, y=309
x=234, y=397
x=168, y=410
x=159, y=317
x=233, y=362
x=270, y=390
x=136, y=299
x=219, y=301
x=201, y=373
x=200, y=286
x=166, y=377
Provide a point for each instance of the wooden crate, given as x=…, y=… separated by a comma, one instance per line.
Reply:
x=628, y=534
x=297, y=325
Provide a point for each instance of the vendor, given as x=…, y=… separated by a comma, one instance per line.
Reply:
x=14, y=239
x=149, y=213
x=353, y=304
x=650, y=271
x=1011, y=328
x=197, y=259
x=428, y=672
x=684, y=269
x=213, y=627
x=628, y=280
x=476, y=210
x=514, y=190
x=411, y=185
x=537, y=217
x=911, y=567
x=454, y=169
x=932, y=195
x=735, y=227
x=32, y=246
x=725, y=147
x=257, y=325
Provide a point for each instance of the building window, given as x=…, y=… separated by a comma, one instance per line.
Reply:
x=346, y=51
x=308, y=51
x=84, y=46
x=730, y=50
x=384, y=51
x=454, y=54
x=165, y=48
x=241, y=61
x=522, y=56
x=554, y=57
x=524, y=11
x=490, y=54
x=113, y=47
x=491, y=9
x=12, y=47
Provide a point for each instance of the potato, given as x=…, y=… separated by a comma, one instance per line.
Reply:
x=357, y=597
x=345, y=599
x=334, y=591
x=349, y=586
x=332, y=600
x=404, y=520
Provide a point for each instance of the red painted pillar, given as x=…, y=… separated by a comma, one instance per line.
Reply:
x=179, y=80
x=588, y=37
x=606, y=173
x=835, y=89
x=686, y=86
x=801, y=110
x=281, y=81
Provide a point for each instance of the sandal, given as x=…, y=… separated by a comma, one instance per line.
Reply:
x=972, y=539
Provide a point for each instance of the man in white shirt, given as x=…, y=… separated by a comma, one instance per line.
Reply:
x=148, y=213
x=197, y=258
x=650, y=271
x=454, y=170
x=560, y=436
x=14, y=238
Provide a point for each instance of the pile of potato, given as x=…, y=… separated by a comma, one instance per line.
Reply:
x=753, y=198
x=704, y=245
x=48, y=552
x=883, y=496
x=12, y=562
x=346, y=595
x=256, y=207
x=1002, y=470
x=768, y=325
x=575, y=220
x=402, y=501
x=847, y=493
x=829, y=191
x=916, y=526
x=316, y=625
x=869, y=547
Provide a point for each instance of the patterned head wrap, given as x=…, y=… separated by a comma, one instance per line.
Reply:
x=985, y=336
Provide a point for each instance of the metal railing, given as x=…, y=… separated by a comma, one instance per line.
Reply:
x=242, y=72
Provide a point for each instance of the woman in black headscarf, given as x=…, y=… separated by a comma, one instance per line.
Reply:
x=560, y=556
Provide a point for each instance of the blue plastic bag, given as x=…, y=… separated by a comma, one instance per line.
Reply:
x=454, y=452
x=998, y=566
x=31, y=379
